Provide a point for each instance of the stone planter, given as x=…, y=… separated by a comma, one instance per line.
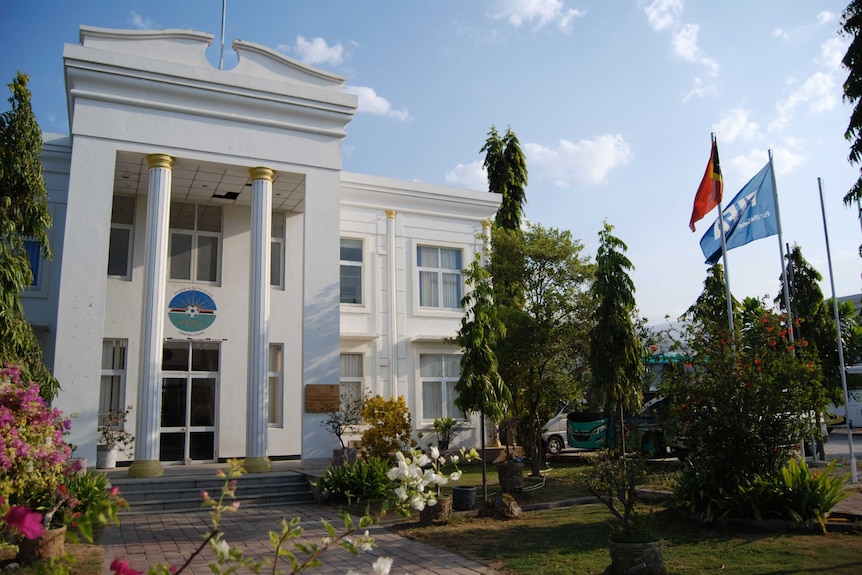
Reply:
x=51, y=545
x=344, y=455
x=437, y=513
x=511, y=476
x=463, y=497
x=106, y=458
x=641, y=558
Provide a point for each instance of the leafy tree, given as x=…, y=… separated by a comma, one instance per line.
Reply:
x=710, y=308
x=813, y=318
x=23, y=216
x=742, y=405
x=480, y=387
x=851, y=25
x=542, y=355
x=506, y=167
x=616, y=353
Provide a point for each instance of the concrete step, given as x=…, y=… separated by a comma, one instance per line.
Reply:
x=180, y=493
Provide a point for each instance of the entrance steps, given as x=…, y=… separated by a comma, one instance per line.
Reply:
x=182, y=492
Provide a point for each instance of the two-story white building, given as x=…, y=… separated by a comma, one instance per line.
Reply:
x=214, y=267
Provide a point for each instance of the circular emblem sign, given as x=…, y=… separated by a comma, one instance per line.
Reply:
x=192, y=310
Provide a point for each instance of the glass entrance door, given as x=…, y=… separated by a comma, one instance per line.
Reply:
x=189, y=397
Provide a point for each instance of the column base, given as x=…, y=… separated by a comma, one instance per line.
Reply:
x=257, y=464
x=146, y=468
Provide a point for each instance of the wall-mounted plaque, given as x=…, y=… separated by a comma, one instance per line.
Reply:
x=322, y=398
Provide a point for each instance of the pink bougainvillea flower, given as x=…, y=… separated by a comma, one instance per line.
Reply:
x=28, y=523
x=122, y=568
x=116, y=488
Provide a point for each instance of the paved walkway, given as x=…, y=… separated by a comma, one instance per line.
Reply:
x=145, y=540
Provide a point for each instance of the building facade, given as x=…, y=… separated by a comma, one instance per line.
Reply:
x=217, y=271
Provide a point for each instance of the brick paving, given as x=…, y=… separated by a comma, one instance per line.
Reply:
x=147, y=539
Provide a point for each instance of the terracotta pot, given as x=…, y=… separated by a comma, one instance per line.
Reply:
x=438, y=513
x=51, y=545
x=641, y=558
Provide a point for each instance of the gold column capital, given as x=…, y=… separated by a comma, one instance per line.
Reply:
x=390, y=214
x=261, y=173
x=486, y=224
x=160, y=161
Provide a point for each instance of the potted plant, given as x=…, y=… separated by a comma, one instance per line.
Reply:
x=113, y=438
x=510, y=472
x=340, y=420
x=633, y=546
x=447, y=429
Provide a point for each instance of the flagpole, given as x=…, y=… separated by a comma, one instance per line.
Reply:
x=727, y=293
x=221, y=48
x=853, y=477
x=781, y=251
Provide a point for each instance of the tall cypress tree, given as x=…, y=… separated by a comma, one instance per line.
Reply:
x=506, y=167
x=23, y=217
x=851, y=25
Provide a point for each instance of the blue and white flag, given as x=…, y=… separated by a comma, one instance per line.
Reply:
x=749, y=216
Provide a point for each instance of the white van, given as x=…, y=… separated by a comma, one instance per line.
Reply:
x=554, y=431
x=837, y=415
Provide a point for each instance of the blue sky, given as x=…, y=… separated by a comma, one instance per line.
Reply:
x=613, y=103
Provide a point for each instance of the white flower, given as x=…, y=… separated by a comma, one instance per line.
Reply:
x=382, y=565
x=222, y=549
x=401, y=491
x=435, y=453
x=423, y=460
x=456, y=475
x=456, y=459
x=326, y=541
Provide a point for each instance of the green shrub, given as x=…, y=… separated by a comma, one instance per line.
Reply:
x=389, y=429
x=365, y=480
x=796, y=494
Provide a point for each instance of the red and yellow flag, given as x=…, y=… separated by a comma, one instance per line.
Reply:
x=711, y=187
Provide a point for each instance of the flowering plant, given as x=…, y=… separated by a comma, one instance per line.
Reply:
x=419, y=477
x=112, y=430
x=34, y=460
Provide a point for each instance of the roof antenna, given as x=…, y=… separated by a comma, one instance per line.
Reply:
x=221, y=49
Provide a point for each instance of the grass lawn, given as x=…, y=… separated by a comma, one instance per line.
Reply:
x=86, y=560
x=574, y=540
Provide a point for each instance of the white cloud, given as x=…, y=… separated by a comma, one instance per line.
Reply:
x=825, y=17
x=684, y=44
x=663, y=14
x=701, y=89
x=538, y=12
x=471, y=176
x=587, y=162
x=735, y=125
x=317, y=51
x=831, y=53
x=371, y=103
x=819, y=92
x=780, y=33
x=747, y=165
x=140, y=22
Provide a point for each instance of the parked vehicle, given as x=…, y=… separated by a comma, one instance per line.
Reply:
x=838, y=415
x=593, y=431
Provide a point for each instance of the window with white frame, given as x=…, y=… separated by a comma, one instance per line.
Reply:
x=195, y=242
x=120, y=242
x=351, y=375
x=439, y=277
x=351, y=271
x=438, y=375
x=276, y=252
x=275, y=375
x=112, y=393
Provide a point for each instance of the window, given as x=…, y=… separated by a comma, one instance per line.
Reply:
x=34, y=254
x=113, y=387
x=439, y=277
x=351, y=375
x=351, y=271
x=120, y=242
x=195, y=240
x=276, y=252
x=438, y=374
x=275, y=375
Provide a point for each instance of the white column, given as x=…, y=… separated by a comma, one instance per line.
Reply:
x=257, y=426
x=146, y=462
x=392, y=315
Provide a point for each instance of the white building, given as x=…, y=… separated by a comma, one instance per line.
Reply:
x=213, y=264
